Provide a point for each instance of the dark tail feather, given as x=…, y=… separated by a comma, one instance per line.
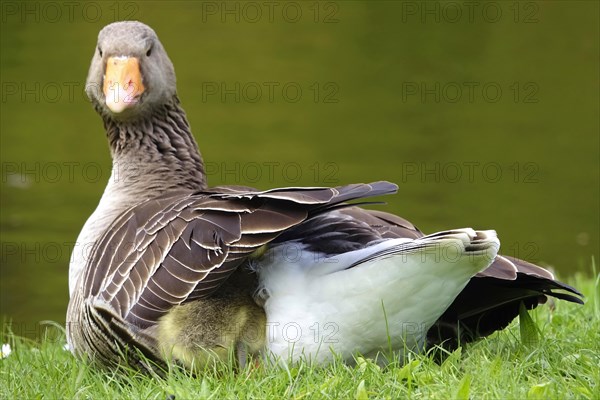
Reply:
x=491, y=300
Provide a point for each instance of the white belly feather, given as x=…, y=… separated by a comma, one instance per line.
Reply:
x=317, y=305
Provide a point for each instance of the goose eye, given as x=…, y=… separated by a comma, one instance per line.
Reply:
x=100, y=51
x=149, y=52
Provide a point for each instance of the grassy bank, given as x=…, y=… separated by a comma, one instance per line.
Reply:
x=563, y=362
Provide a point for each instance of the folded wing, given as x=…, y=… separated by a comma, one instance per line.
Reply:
x=171, y=250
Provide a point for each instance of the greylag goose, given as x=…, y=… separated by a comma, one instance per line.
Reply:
x=169, y=270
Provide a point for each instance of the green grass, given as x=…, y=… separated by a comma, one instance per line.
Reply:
x=564, y=362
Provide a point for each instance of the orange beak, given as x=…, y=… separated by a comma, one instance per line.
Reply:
x=122, y=83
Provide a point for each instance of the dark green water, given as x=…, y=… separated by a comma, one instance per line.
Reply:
x=486, y=117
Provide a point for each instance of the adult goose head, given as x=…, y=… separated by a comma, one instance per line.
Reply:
x=171, y=270
x=131, y=83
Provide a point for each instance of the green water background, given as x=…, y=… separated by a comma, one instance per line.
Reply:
x=484, y=119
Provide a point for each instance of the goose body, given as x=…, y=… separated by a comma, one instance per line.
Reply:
x=172, y=270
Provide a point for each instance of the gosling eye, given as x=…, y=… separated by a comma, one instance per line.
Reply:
x=100, y=51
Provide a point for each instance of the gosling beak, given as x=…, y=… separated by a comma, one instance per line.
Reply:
x=122, y=83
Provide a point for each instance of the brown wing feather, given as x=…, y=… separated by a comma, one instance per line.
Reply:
x=171, y=250
x=501, y=268
x=386, y=224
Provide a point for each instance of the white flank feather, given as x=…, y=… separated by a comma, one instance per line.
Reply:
x=388, y=294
